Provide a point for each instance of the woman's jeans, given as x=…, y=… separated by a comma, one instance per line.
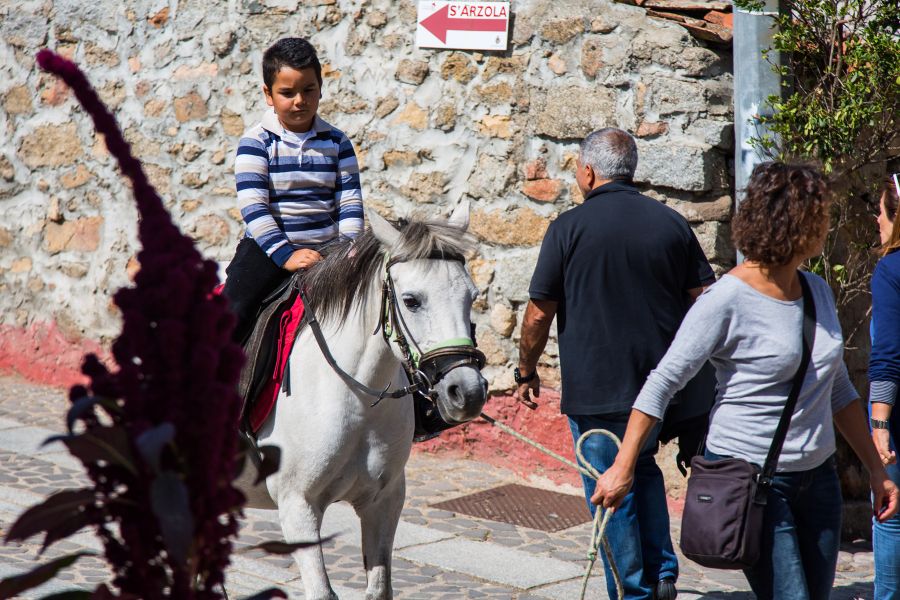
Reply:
x=886, y=537
x=801, y=535
x=638, y=531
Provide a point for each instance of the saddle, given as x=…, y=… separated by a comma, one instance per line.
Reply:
x=267, y=348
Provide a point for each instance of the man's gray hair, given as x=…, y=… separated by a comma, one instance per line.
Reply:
x=611, y=153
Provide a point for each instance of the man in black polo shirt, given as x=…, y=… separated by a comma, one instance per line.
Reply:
x=619, y=272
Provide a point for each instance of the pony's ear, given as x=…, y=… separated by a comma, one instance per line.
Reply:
x=459, y=218
x=386, y=233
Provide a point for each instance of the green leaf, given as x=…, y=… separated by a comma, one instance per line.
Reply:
x=58, y=512
x=108, y=444
x=15, y=585
x=83, y=405
x=284, y=547
x=265, y=595
x=270, y=461
x=150, y=444
x=70, y=595
x=171, y=505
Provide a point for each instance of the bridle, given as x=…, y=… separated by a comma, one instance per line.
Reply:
x=423, y=369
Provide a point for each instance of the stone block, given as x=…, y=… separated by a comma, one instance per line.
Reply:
x=503, y=319
x=385, y=106
x=159, y=18
x=648, y=129
x=411, y=71
x=591, y=56
x=490, y=177
x=412, y=115
x=571, y=112
x=80, y=235
x=719, y=209
x=543, y=190
x=445, y=117
x=560, y=31
x=536, y=169
x=516, y=227
x=232, y=123
x=458, y=66
x=20, y=265
x=679, y=167
x=557, y=64
x=7, y=170
x=6, y=237
x=669, y=96
x=498, y=65
x=401, y=158
x=481, y=270
x=499, y=93
x=713, y=132
x=498, y=126
x=155, y=107
x=190, y=107
x=17, y=101
x=211, y=231
x=715, y=240
x=75, y=178
x=51, y=146
x=424, y=187
x=493, y=347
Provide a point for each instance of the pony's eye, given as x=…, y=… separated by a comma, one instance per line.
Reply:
x=411, y=302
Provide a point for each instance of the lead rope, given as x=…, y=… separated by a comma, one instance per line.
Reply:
x=601, y=516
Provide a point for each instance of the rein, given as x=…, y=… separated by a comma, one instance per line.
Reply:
x=424, y=370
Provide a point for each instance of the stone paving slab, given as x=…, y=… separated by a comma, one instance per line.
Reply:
x=492, y=562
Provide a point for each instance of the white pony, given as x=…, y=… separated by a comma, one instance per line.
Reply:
x=411, y=288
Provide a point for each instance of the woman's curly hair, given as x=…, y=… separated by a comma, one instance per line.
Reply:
x=782, y=214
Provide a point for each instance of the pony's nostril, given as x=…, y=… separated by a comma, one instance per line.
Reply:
x=455, y=394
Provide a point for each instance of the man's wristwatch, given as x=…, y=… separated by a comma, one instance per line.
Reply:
x=876, y=424
x=517, y=375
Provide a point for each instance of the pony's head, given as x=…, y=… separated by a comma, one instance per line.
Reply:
x=421, y=265
x=425, y=276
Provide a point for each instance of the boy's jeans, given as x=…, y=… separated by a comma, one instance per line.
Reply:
x=801, y=535
x=638, y=531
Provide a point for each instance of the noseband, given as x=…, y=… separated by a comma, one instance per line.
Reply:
x=424, y=370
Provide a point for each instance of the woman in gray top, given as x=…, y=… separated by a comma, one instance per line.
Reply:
x=748, y=326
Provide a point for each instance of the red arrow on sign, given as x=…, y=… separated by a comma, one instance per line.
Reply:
x=439, y=22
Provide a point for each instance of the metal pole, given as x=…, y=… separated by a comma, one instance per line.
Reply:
x=754, y=81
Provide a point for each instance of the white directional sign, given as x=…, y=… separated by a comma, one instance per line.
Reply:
x=463, y=25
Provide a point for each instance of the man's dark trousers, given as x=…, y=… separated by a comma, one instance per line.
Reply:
x=638, y=531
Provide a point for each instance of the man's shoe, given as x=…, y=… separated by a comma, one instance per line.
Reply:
x=665, y=589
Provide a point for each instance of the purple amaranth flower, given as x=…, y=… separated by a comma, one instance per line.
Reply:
x=175, y=363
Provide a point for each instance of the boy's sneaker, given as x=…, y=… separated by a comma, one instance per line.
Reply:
x=665, y=589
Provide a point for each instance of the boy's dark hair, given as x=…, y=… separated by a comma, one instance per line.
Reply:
x=293, y=52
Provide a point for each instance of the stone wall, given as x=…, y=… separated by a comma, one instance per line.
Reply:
x=430, y=128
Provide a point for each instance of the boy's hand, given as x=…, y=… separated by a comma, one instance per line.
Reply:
x=302, y=259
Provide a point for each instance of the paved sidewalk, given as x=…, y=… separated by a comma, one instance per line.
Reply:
x=437, y=554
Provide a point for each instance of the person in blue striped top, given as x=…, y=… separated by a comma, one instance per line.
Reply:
x=297, y=181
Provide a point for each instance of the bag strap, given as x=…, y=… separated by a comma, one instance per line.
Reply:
x=809, y=336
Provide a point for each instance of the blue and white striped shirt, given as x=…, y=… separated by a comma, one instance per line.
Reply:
x=297, y=190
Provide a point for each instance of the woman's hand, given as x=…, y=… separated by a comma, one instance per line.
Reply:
x=886, y=495
x=882, y=440
x=302, y=259
x=613, y=486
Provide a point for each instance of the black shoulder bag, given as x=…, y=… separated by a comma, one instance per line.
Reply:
x=723, y=510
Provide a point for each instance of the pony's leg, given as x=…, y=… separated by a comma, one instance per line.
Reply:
x=300, y=522
x=379, y=524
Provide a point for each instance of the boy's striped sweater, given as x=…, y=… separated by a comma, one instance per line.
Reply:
x=297, y=190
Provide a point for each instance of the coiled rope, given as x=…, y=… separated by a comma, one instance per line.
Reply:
x=601, y=515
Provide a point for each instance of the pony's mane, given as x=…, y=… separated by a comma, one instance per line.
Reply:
x=350, y=267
